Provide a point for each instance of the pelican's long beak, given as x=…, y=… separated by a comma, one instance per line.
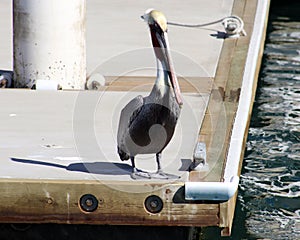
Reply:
x=164, y=45
x=158, y=28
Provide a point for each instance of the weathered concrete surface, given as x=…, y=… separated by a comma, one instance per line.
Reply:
x=73, y=136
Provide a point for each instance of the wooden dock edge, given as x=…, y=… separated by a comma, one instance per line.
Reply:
x=235, y=153
x=235, y=97
x=94, y=202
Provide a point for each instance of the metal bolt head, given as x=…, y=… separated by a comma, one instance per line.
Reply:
x=153, y=204
x=88, y=203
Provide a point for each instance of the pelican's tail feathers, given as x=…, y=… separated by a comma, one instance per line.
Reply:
x=123, y=155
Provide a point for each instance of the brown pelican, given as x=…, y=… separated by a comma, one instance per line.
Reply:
x=147, y=124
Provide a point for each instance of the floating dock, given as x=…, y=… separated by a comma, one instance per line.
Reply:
x=59, y=162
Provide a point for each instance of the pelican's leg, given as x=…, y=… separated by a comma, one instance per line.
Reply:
x=137, y=174
x=160, y=174
x=158, y=157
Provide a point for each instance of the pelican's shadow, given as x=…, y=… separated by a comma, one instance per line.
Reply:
x=104, y=168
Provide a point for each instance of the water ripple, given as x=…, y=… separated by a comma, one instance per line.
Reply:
x=270, y=181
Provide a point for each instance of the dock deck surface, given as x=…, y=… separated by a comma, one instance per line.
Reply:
x=55, y=147
x=73, y=136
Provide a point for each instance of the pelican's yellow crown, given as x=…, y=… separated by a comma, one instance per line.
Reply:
x=151, y=16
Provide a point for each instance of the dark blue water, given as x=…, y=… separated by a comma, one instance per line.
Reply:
x=270, y=186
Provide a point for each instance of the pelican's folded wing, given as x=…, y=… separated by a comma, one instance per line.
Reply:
x=128, y=114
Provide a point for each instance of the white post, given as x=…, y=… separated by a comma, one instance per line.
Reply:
x=49, y=42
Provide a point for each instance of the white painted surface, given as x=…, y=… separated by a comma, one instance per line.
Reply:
x=212, y=191
x=49, y=42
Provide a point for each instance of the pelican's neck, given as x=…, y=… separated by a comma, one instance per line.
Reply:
x=162, y=82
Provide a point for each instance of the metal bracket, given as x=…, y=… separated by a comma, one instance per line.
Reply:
x=199, y=157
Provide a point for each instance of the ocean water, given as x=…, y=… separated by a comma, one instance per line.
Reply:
x=270, y=183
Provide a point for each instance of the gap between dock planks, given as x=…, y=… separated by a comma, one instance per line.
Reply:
x=145, y=83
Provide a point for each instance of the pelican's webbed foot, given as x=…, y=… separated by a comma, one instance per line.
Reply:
x=137, y=174
x=159, y=174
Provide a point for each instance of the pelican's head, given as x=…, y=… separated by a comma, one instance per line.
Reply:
x=158, y=28
x=154, y=17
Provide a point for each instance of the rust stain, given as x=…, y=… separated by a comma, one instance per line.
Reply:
x=235, y=95
x=218, y=94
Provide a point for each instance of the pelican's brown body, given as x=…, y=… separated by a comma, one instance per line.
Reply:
x=147, y=124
